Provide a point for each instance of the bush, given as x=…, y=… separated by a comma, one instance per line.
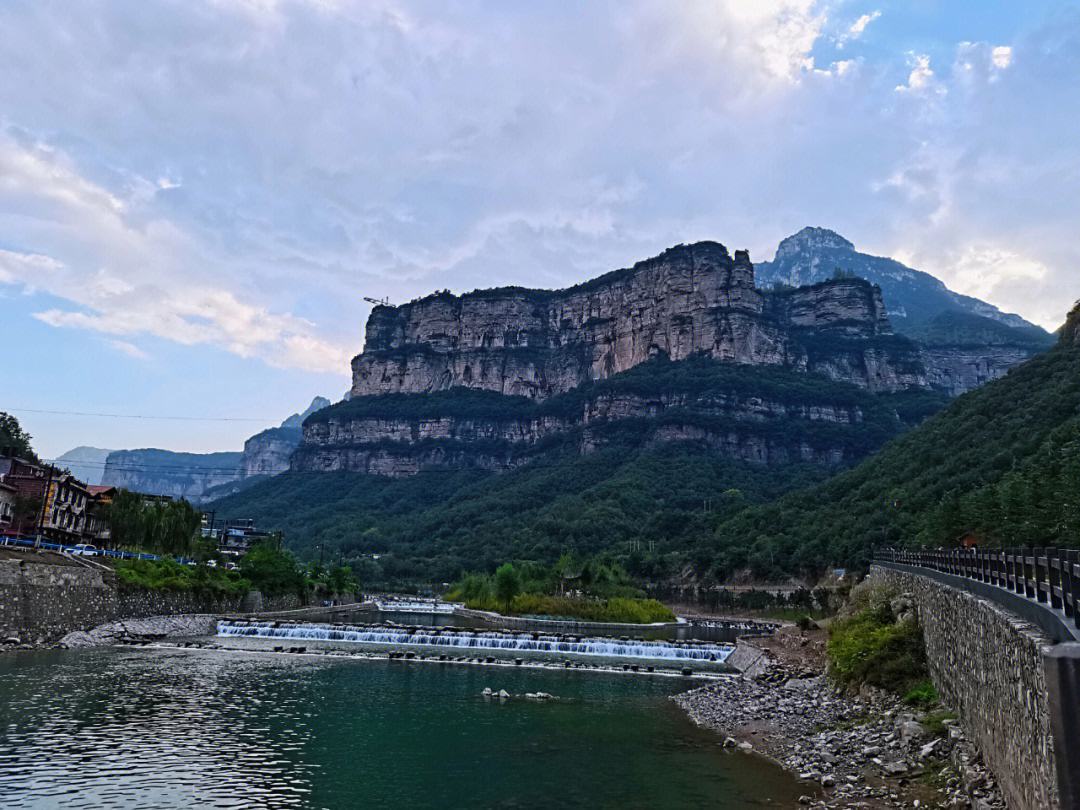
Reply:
x=869, y=647
x=923, y=695
x=168, y=575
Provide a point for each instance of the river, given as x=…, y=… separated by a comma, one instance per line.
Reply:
x=197, y=728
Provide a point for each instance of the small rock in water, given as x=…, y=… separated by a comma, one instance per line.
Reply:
x=487, y=691
x=503, y=694
x=745, y=746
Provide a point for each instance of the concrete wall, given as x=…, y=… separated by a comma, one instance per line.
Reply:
x=42, y=601
x=989, y=666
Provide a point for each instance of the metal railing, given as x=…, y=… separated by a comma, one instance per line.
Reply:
x=1049, y=576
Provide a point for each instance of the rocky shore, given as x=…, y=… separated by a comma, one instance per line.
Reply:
x=867, y=751
x=136, y=631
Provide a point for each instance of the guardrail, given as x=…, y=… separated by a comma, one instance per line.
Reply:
x=1049, y=576
x=28, y=542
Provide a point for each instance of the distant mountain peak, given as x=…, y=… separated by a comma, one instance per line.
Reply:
x=811, y=237
x=297, y=419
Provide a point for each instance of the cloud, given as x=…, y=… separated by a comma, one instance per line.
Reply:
x=238, y=175
x=130, y=349
x=129, y=275
x=857, y=28
x=1001, y=56
x=921, y=78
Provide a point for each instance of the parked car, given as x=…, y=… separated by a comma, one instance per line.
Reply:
x=85, y=550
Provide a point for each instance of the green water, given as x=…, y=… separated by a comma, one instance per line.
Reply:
x=164, y=728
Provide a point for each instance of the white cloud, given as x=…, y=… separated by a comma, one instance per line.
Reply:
x=126, y=274
x=264, y=164
x=921, y=78
x=130, y=349
x=857, y=28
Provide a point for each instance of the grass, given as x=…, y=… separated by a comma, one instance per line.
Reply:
x=923, y=695
x=167, y=575
x=869, y=647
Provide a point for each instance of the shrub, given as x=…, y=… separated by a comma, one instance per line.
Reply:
x=168, y=575
x=923, y=695
x=868, y=646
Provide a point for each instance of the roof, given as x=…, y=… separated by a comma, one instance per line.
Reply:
x=98, y=489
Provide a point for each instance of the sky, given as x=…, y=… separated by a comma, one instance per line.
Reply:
x=196, y=195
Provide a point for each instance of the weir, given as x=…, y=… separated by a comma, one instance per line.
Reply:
x=674, y=652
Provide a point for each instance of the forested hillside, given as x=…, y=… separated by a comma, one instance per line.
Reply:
x=657, y=503
x=1001, y=463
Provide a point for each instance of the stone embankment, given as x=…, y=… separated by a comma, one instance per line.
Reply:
x=44, y=596
x=1001, y=675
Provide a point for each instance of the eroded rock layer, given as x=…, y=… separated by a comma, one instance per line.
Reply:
x=691, y=299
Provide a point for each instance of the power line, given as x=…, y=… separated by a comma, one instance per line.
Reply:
x=146, y=416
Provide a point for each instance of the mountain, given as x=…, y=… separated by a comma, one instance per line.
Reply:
x=912, y=296
x=86, y=463
x=268, y=452
x=197, y=476
x=515, y=422
x=967, y=341
x=492, y=378
x=690, y=299
x=1000, y=463
x=165, y=472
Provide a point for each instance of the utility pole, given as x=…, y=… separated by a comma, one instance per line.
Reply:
x=44, y=506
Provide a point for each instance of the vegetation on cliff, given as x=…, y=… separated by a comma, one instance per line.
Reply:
x=1001, y=463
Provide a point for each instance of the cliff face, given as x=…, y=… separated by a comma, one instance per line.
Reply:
x=163, y=472
x=743, y=426
x=268, y=452
x=681, y=347
x=689, y=300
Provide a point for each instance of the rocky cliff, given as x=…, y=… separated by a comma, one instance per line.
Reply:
x=968, y=342
x=382, y=438
x=200, y=476
x=268, y=452
x=691, y=299
x=164, y=472
x=681, y=347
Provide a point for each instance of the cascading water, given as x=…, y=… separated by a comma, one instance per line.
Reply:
x=481, y=640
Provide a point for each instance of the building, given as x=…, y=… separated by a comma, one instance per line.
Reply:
x=235, y=537
x=48, y=502
x=8, y=494
x=97, y=517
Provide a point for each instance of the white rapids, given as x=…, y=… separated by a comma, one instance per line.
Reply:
x=481, y=640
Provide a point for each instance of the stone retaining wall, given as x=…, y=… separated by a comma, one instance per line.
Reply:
x=40, y=601
x=988, y=665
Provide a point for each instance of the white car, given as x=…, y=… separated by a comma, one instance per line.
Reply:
x=84, y=550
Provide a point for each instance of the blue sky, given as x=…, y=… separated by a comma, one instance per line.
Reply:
x=195, y=195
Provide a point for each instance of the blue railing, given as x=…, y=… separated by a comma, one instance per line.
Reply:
x=45, y=545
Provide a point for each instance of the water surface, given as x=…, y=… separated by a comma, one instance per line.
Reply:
x=194, y=728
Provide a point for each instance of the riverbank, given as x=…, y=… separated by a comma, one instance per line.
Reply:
x=868, y=750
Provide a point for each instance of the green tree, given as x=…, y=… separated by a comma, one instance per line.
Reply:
x=13, y=439
x=507, y=584
x=273, y=572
